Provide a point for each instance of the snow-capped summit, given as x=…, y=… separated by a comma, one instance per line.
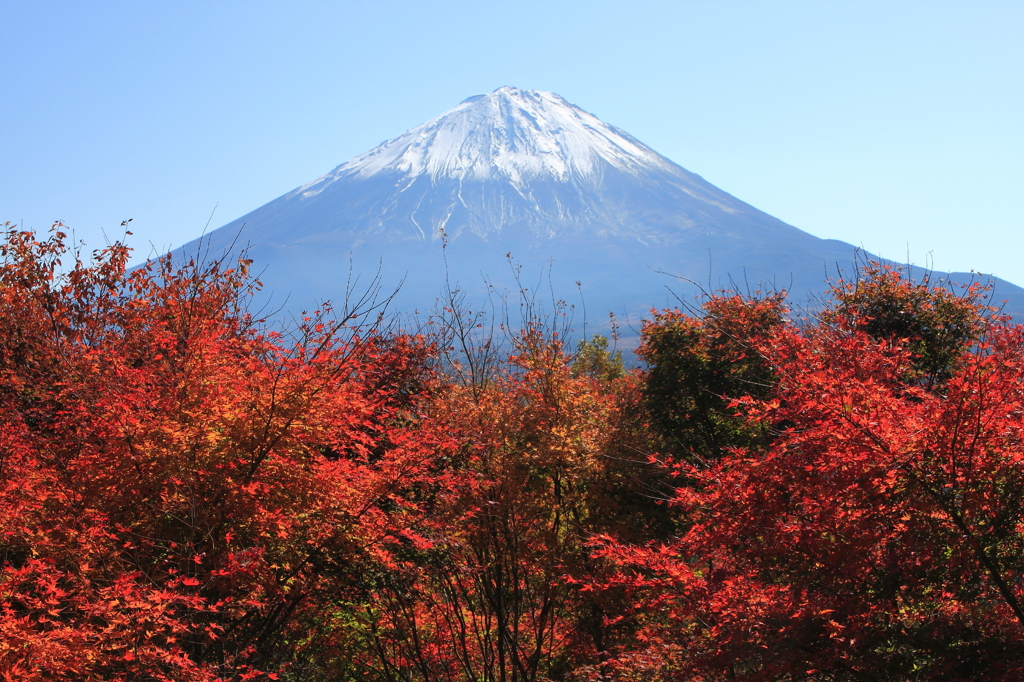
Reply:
x=518, y=160
x=511, y=134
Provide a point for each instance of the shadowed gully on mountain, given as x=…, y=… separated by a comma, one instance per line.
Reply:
x=527, y=177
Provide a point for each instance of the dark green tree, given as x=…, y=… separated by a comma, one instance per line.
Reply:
x=701, y=364
x=937, y=322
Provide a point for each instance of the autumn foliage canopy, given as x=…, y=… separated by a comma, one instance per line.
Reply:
x=187, y=493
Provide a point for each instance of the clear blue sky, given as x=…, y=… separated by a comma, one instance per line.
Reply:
x=898, y=126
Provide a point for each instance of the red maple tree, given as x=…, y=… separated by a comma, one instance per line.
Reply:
x=878, y=534
x=177, y=487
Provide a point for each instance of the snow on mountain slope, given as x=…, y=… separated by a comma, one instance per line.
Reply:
x=509, y=161
x=509, y=134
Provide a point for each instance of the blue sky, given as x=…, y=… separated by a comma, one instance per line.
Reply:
x=898, y=126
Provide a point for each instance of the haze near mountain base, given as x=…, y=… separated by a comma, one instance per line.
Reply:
x=590, y=214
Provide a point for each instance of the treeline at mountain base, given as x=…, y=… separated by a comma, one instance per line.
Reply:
x=186, y=494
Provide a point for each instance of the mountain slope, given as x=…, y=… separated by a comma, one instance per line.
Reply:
x=529, y=174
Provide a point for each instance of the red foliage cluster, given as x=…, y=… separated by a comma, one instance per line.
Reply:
x=877, y=535
x=187, y=496
x=179, y=489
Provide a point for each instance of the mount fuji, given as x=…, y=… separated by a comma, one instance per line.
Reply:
x=590, y=214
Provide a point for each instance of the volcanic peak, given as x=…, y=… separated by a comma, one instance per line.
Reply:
x=510, y=134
